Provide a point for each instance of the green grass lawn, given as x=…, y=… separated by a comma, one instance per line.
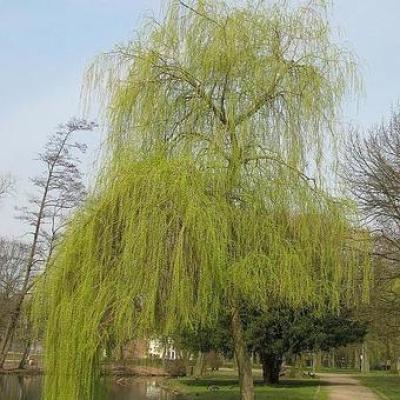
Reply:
x=227, y=388
x=351, y=371
x=385, y=385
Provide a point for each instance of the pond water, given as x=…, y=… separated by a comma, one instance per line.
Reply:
x=14, y=387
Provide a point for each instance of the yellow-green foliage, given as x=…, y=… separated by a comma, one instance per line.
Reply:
x=215, y=119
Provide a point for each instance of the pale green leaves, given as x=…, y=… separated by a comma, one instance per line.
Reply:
x=216, y=118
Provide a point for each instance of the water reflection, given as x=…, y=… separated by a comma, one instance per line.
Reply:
x=29, y=388
x=20, y=387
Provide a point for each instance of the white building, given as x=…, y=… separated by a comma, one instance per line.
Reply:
x=163, y=349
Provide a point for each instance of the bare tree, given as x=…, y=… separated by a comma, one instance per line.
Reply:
x=372, y=172
x=12, y=261
x=59, y=190
x=13, y=256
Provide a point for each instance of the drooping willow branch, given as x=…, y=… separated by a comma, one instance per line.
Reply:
x=203, y=199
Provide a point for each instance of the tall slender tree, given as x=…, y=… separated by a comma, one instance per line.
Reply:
x=59, y=190
x=211, y=192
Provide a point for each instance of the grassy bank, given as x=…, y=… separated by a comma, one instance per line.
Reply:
x=385, y=385
x=224, y=386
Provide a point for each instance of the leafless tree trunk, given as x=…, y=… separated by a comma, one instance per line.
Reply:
x=25, y=354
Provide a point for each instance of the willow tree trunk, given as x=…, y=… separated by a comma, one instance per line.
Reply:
x=242, y=358
x=199, y=367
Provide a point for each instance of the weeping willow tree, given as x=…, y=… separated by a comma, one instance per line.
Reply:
x=212, y=189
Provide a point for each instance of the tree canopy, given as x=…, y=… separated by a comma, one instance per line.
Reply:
x=211, y=191
x=280, y=332
x=285, y=331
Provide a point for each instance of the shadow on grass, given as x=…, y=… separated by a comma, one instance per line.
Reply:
x=212, y=382
x=234, y=383
x=283, y=384
x=293, y=383
x=228, y=389
x=385, y=384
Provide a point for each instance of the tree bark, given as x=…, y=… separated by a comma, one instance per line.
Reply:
x=271, y=366
x=332, y=362
x=185, y=356
x=365, y=368
x=121, y=355
x=199, y=367
x=397, y=365
x=22, y=363
x=357, y=359
x=316, y=361
x=242, y=358
x=7, y=338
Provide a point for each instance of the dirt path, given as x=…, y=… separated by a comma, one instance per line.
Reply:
x=345, y=387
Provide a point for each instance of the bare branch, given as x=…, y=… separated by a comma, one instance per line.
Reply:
x=6, y=184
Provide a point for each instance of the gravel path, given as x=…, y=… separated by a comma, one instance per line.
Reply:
x=345, y=387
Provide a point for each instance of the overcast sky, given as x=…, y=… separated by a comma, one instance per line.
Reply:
x=46, y=44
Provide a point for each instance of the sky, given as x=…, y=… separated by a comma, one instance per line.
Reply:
x=45, y=46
